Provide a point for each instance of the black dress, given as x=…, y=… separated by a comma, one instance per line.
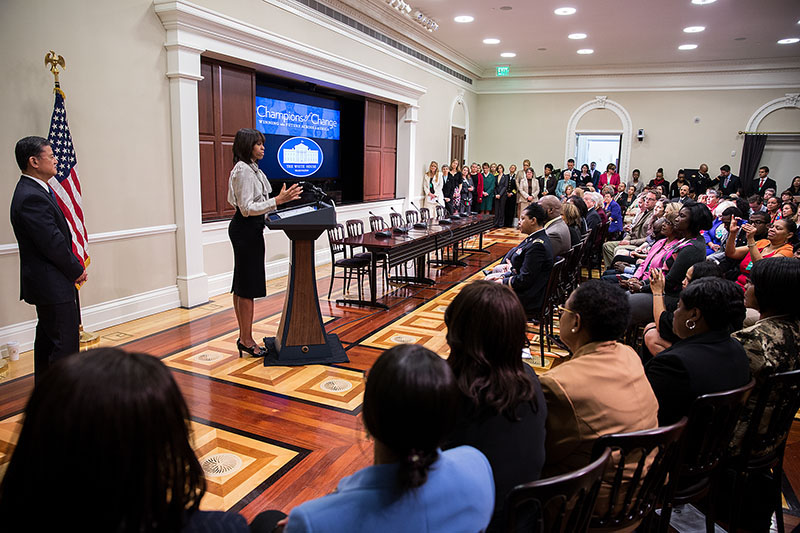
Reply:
x=247, y=238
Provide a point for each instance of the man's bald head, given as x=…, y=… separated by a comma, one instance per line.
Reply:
x=552, y=206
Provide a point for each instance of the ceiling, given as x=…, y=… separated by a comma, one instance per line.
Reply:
x=621, y=32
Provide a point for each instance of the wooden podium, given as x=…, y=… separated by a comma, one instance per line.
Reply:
x=301, y=337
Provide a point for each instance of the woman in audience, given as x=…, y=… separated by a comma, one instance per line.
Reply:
x=771, y=343
x=565, y=181
x=432, y=187
x=502, y=411
x=585, y=176
x=572, y=217
x=410, y=403
x=779, y=241
x=106, y=434
x=601, y=388
x=773, y=209
x=706, y=359
x=467, y=188
x=568, y=190
x=658, y=335
x=609, y=177
x=788, y=210
x=717, y=236
x=614, y=213
x=692, y=219
x=661, y=250
x=500, y=196
x=489, y=183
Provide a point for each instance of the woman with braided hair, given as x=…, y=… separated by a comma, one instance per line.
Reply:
x=410, y=401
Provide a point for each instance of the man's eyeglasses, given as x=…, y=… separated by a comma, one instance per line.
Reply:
x=757, y=221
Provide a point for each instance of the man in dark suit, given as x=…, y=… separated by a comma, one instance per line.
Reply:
x=728, y=183
x=595, y=174
x=48, y=268
x=763, y=182
x=555, y=227
x=530, y=262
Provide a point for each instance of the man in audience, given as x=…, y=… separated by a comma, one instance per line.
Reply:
x=592, y=217
x=595, y=174
x=683, y=194
x=757, y=204
x=728, y=183
x=572, y=170
x=701, y=180
x=555, y=227
x=769, y=193
x=636, y=233
x=526, y=268
x=763, y=182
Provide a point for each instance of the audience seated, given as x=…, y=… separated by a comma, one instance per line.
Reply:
x=555, y=227
x=601, y=388
x=526, y=268
x=779, y=241
x=410, y=402
x=502, y=411
x=614, y=212
x=636, y=233
x=659, y=336
x=771, y=343
x=592, y=216
x=706, y=359
x=572, y=218
x=692, y=219
x=717, y=236
x=105, y=441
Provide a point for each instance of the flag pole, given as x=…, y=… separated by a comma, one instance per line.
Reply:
x=53, y=61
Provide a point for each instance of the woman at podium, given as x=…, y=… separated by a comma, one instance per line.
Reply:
x=248, y=192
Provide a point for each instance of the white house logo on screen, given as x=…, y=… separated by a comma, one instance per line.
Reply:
x=300, y=156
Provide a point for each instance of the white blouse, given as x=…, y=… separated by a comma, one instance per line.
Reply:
x=248, y=189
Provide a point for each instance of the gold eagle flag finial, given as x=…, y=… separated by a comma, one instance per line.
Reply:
x=53, y=60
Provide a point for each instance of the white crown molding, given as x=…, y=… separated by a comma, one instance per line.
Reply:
x=789, y=100
x=196, y=27
x=388, y=18
x=315, y=17
x=718, y=75
x=95, y=238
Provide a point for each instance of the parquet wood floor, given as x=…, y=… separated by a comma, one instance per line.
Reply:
x=274, y=437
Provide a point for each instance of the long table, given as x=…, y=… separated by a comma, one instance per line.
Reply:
x=415, y=246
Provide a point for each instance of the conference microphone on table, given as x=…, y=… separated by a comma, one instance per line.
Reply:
x=383, y=233
x=398, y=229
x=445, y=220
x=420, y=224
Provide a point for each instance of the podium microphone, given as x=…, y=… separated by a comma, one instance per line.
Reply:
x=383, y=233
x=444, y=220
x=398, y=229
x=420, y=224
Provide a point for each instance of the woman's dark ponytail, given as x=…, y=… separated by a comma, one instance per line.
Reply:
x=413, y=471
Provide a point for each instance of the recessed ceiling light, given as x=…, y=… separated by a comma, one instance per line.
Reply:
x=577, y=36
x=791, y=40
x=565, y=11
x=584, y=51
x=505, y=8
x=464, y=19
x=693, y=29
x=740, y=39
x=703, y=2
x=687, y=47
x=541, y=49
x=491, y=41
x=508, y=54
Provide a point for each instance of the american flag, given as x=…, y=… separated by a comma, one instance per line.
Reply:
x=65, y=184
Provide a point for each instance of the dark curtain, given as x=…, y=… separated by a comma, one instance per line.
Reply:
x=751, y=157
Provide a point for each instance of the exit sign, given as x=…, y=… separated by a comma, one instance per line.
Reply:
x=503, y=70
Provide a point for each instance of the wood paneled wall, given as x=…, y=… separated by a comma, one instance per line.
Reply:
x=380, y=150
x=226, y=103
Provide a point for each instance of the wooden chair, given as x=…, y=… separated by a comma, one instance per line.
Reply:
x=355, y=228
x=377, y=223
x=441, y=212
x=764, y=442
x=586, y=250
x=349, y=265
x=564, y=282
x=412, y=216
x=544, y=316
x=712, y=420
x=645, y=466
x=594, y=259
x=424, y=214
x=557, y=504
x=396, y=220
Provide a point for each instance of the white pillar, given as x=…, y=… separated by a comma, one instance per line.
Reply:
x=408, y=175
x=183, y=71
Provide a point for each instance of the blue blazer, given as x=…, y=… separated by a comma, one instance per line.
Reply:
x=614, y=217
x=48, y=268
x=457, y=497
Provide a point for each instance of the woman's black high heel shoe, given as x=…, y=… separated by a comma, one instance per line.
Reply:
x=255, y=351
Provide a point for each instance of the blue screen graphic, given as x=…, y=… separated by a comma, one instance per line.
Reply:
x=280, y=117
